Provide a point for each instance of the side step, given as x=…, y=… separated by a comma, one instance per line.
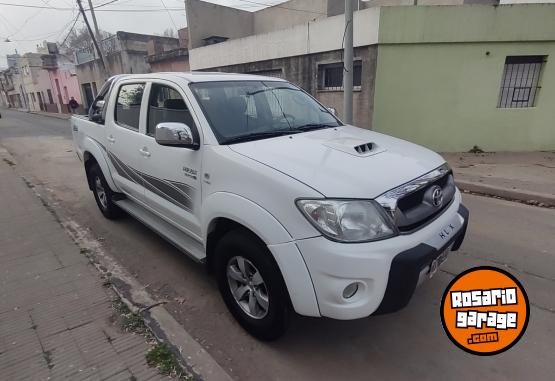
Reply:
x=176, y=237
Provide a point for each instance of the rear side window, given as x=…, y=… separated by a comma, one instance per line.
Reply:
x=167, y=105
x=128, y=106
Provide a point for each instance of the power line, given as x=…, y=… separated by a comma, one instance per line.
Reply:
x=30, y=17
x=34, y=6
x=169, y=14
x=42, y=37
x=104, y=4
x=100, y=10
x=70, y=30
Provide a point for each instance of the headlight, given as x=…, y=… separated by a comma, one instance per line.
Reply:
x=348, y=220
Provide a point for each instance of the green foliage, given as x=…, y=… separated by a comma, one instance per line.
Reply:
x=162, y=358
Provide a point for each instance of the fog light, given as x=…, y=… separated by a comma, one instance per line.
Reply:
x=350, y=290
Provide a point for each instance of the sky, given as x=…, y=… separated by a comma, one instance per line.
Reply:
x=26, y=27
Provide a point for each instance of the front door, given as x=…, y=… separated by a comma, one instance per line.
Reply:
x=172, y=174
x=124, y=138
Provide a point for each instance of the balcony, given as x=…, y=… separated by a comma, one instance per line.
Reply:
x=49, y=61
x=107, y=46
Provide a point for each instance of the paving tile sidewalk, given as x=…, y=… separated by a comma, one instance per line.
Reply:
x=55, y=315
x=524, y=176
x=50, y=114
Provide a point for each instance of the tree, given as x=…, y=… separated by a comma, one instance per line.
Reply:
x=169, y=32
x=79, y=39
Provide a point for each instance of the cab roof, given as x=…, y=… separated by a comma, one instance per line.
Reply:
x=201, y=76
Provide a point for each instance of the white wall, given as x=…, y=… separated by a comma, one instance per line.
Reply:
x=313, y=37
x=207, y=19
x=288, y=14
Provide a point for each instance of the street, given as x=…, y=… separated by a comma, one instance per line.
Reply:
x=408, y=344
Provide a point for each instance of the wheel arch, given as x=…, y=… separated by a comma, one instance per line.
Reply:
x=94, y=152
x=223, y=212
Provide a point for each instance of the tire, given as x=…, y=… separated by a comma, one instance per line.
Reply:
x=265, y=325
x=103, y=195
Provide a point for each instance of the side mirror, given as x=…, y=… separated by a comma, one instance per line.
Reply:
x=176, y=135
x=332, y=110
x=96, y=111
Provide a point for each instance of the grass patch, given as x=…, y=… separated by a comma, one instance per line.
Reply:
x=162, y=358
x=132, y=322
x=159, y=356
x=129, y=321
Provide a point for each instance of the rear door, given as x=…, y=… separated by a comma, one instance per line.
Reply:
x=172, y=174
x=125, y=122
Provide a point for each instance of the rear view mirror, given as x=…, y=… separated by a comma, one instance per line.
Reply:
x=95, y=113
x=175, y=134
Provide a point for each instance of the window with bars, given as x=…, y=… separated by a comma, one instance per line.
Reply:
x=330, y=76
x=521, y=81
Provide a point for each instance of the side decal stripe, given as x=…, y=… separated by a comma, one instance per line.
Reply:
x=177, y=193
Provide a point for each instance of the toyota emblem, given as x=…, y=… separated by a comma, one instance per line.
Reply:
x=437, y=196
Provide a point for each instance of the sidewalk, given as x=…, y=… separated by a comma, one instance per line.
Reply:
x=55, y=315
x=523, y=176
x=50, y=114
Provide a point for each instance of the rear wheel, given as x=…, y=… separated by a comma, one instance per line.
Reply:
x=251, y=285
x=102, y=193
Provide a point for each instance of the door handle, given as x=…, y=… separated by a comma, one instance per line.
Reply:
x=144, y=152
x=111, y=139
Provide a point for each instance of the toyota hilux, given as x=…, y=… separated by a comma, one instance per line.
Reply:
x=289, y=208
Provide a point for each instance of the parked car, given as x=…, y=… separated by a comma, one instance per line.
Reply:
x=291, y=209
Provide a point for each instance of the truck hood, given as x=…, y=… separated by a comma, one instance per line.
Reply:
x=347, y=161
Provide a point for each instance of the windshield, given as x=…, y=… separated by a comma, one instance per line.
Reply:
x=248, y=110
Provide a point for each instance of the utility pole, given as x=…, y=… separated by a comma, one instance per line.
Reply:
x=95, y=43
x=96, y=31
x=348, y=64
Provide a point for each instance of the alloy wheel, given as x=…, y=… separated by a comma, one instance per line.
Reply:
x=101, y=192
x=247, y=287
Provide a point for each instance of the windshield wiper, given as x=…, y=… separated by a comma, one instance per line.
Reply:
x=272, y=88
x=258, y=136
x=314, y=126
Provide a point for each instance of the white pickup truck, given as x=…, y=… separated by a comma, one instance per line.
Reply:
x=287, y=206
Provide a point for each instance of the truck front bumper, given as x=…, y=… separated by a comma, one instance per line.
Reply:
x=386, y=272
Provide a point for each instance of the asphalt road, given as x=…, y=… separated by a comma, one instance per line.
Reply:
x=410, y=344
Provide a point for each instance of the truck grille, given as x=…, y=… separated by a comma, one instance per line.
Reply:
x=418, y=202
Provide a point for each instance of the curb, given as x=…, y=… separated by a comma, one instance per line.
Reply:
x=51, y=115
x=528, y=197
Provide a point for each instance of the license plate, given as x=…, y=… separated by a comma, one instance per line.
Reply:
x=434, y=265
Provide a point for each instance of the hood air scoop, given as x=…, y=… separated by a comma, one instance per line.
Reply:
x=355, y=147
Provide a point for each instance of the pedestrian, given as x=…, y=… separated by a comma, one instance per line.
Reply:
x=73, y=105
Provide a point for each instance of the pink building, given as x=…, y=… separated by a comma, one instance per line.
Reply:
x=42, y=81
x=62, y=79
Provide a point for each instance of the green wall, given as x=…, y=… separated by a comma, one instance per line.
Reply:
x=440, y=89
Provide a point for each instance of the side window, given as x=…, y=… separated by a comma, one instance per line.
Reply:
x=128, y=106
x=99, y=105
x=166, y=105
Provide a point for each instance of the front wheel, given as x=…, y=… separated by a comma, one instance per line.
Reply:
x=251, y=285
x=103, y=194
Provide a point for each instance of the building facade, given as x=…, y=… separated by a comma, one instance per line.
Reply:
x=169, y=56
x=125, y=53
x=42, y=81
x=447, y=77
x=454, y=77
